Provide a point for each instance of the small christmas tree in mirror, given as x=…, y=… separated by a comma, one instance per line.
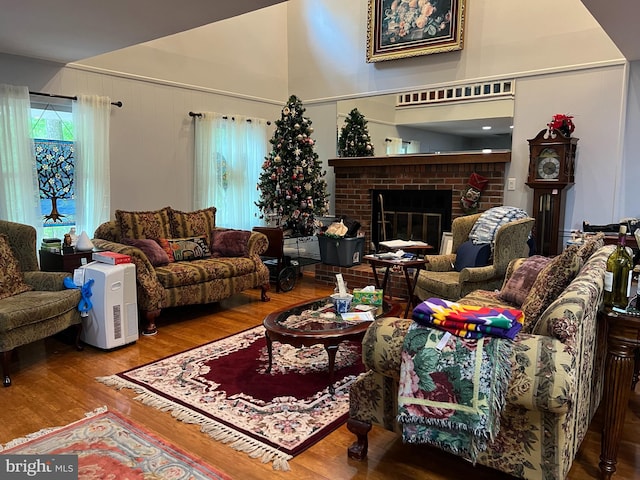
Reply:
x=354, y=138
x=292, y=187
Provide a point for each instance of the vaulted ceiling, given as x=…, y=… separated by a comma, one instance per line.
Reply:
x=69, y=30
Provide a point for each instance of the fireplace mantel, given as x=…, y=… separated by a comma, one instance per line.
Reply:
x=496, y=156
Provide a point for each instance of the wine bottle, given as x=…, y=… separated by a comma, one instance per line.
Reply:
x=617, y=278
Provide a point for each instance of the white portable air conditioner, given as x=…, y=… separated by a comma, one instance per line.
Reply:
x=113, y=320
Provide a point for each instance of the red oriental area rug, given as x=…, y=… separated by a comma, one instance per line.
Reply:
x=108, y=445
x=223, y=387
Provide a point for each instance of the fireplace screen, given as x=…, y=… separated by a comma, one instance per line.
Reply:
x=410, y=215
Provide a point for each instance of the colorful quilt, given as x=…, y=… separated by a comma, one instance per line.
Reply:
x=469, y=321
x=452, y=389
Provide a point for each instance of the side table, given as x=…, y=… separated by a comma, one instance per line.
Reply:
x=62, y=262
x=623, y=341
x=405, y=265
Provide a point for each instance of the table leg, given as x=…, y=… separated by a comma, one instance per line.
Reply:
x=385, y=279
x=331, y=352
x=619, y=368
x=411, y=288
x=636, y=370
x=269, y=350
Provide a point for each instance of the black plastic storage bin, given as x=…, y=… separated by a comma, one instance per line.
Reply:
x=343, y=252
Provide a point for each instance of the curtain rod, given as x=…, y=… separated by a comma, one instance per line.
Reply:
x=195, y=114
x=117, y=104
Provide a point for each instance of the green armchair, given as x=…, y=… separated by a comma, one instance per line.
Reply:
x=441, y=280
x=41, y=307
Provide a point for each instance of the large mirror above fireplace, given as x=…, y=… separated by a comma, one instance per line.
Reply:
x=399, y=125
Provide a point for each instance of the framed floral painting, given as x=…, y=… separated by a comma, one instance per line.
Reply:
x=408, y=28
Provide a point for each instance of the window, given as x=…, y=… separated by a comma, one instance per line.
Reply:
x=53, y=134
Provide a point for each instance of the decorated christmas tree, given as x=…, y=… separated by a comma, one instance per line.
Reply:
x=292, y=187
x=354, y=138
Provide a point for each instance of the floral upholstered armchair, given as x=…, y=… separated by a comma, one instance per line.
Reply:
x=441, y=278
x=33, y=304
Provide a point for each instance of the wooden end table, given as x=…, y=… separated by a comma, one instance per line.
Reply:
x=302, y=325
x=405, y=266
x=63, y=262
x=621, y=376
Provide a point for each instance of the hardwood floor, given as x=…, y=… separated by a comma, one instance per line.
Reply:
x=53, y=384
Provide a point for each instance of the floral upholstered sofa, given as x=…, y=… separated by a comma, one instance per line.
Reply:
x=557, y=365
x=182, y=258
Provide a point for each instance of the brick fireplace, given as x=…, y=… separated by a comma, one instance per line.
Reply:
x=356, y=179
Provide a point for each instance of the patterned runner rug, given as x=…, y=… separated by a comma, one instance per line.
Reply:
x=223, y=387
x=108, y=445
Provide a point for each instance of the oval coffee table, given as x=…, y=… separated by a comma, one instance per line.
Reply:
x=317, y=323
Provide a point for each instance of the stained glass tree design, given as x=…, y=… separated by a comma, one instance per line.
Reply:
x=292, y=185
x=354, y=138
x=55, y=162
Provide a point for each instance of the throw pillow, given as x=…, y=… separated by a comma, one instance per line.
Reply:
x=591, y=244
x=152, y=224
x=11, y=281
x=471, y=255
x=152, y=249
x=192, y=224
x=164, y=244
x=550, y=283
x=517, y=287
x=229, y=243
x=191, y=248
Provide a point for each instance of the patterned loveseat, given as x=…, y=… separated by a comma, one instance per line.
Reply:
x=33, y=304
x=202, y=263
x=556, y=379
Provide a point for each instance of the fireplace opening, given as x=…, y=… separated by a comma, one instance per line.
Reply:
x=410, y=215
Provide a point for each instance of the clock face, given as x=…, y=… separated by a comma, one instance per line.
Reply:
x=548, y=165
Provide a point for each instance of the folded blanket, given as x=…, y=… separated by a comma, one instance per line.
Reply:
x=452, y=390
x=469, y=321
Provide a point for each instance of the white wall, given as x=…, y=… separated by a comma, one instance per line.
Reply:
x=245, y=55
x=327, y=44
x=630, y=193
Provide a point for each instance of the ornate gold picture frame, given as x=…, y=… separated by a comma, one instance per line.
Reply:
x=408, y=28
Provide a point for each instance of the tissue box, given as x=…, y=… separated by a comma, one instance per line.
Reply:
x=367, y=298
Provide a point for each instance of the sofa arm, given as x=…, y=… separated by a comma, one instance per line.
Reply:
x=543, y=374
x=150, y=290
x=543, y=371
x=440, y=263
x=478, y=274
x=382, y=345
x=46, y=281
x=257, y=244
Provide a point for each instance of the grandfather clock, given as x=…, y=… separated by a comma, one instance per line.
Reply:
x=551, y=168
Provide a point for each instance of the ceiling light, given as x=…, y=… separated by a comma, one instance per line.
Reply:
x=511, y=127
x=487, y=127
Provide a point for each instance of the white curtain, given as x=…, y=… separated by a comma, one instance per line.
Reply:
x=19, y=194
x=394, y=146
x=91, y=118
x=228, y=157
